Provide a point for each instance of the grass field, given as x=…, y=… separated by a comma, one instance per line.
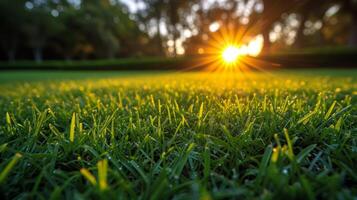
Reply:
x=276, y=135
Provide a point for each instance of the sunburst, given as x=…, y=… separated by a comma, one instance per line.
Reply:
x=231, y=50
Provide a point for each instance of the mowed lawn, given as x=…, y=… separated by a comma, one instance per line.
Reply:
x=137, y=135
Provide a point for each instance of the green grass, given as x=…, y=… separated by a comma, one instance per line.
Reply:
x=281, y=135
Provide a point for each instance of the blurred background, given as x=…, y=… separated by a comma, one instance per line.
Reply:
x=109, y=29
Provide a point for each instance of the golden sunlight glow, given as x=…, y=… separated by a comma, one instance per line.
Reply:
x=230, y=50
x=255, y=46
x=230, y=54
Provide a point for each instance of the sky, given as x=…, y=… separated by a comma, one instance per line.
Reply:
x=134, y=7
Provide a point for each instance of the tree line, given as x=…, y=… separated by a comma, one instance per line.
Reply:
x=62, y=29
x=106, y=29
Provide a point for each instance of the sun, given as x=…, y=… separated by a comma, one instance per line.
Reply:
x=230, y=54
x=229, y=50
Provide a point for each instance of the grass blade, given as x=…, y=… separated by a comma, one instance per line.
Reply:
x=304, y=120
x=265, y=160
x=181, y=162
x=72, y=127
x=305, y=152
x=329, y=112
x=102, y=174
x=4, y=173
x=89, y=176
x=290, y=146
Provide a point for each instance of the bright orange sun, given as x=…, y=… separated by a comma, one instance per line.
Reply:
x=231, y=54
x=228, y=49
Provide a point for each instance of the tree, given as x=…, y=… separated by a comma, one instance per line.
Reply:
x=172, y=14
x=350, y=6
x=273, y=9
x=155, y=10
x=12, y=18
x=310, y=9
x=40, y=27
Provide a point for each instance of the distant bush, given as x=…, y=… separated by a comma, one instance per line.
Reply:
x=330, y=57
x=311, y=58
x=117, y=64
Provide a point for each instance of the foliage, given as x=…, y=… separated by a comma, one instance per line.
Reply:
x=11, y=30
x=283, y=135
x=144, y=63
x=95, y=29
x=107, y=29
